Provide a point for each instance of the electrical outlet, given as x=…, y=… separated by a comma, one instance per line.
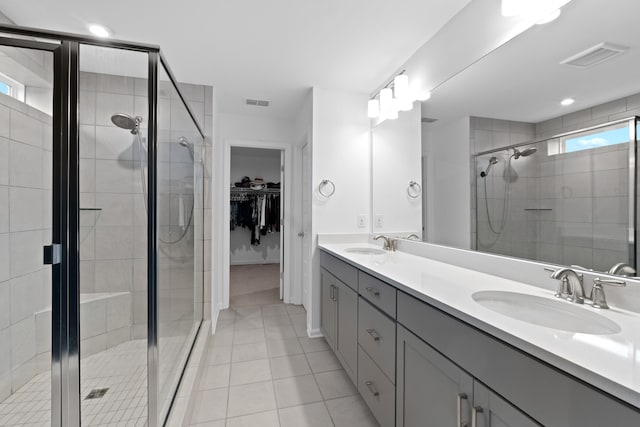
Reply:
x=362, y=221
x=379, y=221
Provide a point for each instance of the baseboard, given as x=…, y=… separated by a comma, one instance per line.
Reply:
x=255, y=262
x=315, y=333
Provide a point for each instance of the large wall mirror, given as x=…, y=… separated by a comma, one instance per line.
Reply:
x=511, y=169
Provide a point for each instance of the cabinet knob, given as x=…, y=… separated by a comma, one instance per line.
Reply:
x=374, y=335
x=373, y=291
x=372, y=388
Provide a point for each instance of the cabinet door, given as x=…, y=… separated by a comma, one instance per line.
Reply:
x=431, y=391
x=328, y=307
x=346, y=344
x=490, y=410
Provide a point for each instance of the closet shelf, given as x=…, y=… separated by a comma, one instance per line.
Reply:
x=243, y=190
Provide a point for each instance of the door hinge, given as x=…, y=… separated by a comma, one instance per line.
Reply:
x=53, y=254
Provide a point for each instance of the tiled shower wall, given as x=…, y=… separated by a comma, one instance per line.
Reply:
x=582, y=196
x=25, y=226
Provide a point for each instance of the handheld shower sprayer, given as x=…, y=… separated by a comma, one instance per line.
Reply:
x=492, y=161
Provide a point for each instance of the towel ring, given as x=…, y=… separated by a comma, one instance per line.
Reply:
x=414, y=194
x=324, y=183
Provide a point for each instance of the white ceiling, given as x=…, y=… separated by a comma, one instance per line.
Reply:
x=274, y=50
x=524, y=81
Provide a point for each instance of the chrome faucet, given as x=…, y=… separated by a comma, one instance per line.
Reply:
x=598, y=298
x=389, y=243
x=622, y=269
x=413, y=237
x=571, y=285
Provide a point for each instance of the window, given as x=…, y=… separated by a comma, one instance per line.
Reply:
x=613, y=135
x=5, y=88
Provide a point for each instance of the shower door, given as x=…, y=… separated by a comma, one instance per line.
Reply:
x=35, y=178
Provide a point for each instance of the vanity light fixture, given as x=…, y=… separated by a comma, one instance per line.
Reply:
x=566, y=102
x=396, y=96
x=99, y=30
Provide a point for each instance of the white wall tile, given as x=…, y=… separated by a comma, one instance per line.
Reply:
x=26, y=252
x=22, y=374
x=25, y=296
x=117, y=209
x=26, y=166
x=118, y=311
x=4, y=161
x=26, y=129
x=43, y=332
x=87, y=141
x=113, y=275
x=114, y=143
x=5, y=305
x=26, y=209
x=611, y=210
x=4, y=209
x=93, y=318
x=87, y=110
x=110, y=83
x=5, y=121
x=108, y=104
x=114, y=176
x=614, y=182
x=23, y=341
x=578, y=210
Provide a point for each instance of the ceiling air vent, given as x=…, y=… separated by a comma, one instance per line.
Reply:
x=594, y=55
x=428, y=120
x=257, y=102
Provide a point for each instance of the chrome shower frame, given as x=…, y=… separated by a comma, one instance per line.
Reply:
x=63, y=253
x=634, y=178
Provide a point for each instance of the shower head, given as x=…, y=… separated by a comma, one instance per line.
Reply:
x=492, y=161
x=524, y=153
x=127, y=122
x=185, y=142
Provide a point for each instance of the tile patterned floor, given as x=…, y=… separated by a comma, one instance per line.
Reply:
x=123, y=369
x=263, y=371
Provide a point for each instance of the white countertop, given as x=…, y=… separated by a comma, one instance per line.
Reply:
x=608, y=362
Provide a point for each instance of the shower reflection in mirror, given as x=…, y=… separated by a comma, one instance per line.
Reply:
x=556, y=199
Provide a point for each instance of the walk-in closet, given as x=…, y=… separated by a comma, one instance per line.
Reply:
x=255, y=226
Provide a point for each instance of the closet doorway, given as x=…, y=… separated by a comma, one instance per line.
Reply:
x=256, y=206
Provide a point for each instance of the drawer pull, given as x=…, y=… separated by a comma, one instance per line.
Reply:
x=371, y=388
x=461, y=397
x=374, y=335
x=332, y=293
x=474, y=415
x=373, y=291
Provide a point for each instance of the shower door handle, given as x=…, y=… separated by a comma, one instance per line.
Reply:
x=52, y=254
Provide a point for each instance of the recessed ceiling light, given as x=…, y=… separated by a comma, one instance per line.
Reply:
x=567, y=101
x=99, y=30
x=552, y=17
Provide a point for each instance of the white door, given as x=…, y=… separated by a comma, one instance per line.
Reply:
x=282, y=230
x=306, y=225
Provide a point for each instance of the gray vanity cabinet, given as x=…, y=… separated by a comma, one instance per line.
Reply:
x=490, y=410
x=339, y=312
x=430, y=390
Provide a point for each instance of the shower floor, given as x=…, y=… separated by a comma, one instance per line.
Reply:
x=121, y=369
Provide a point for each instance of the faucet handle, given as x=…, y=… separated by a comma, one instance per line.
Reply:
x=563, y=287
x=597, y=292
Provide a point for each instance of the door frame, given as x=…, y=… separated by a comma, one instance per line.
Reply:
x=288, y=292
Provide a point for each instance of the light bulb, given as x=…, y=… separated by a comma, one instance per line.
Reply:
x=568, y=101
x=99, y=30
x=386, y=102
x=401, y=87
x=373, y=108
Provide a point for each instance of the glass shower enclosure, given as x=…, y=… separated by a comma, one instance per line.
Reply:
x=101, y=231
x=569, y=199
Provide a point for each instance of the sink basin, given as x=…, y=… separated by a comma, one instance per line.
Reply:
x=365, y=251
x=554, y=314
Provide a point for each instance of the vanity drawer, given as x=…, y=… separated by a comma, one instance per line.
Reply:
x=377, y=336
x=378, y=293
x=340, y=269
x=376, y=390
